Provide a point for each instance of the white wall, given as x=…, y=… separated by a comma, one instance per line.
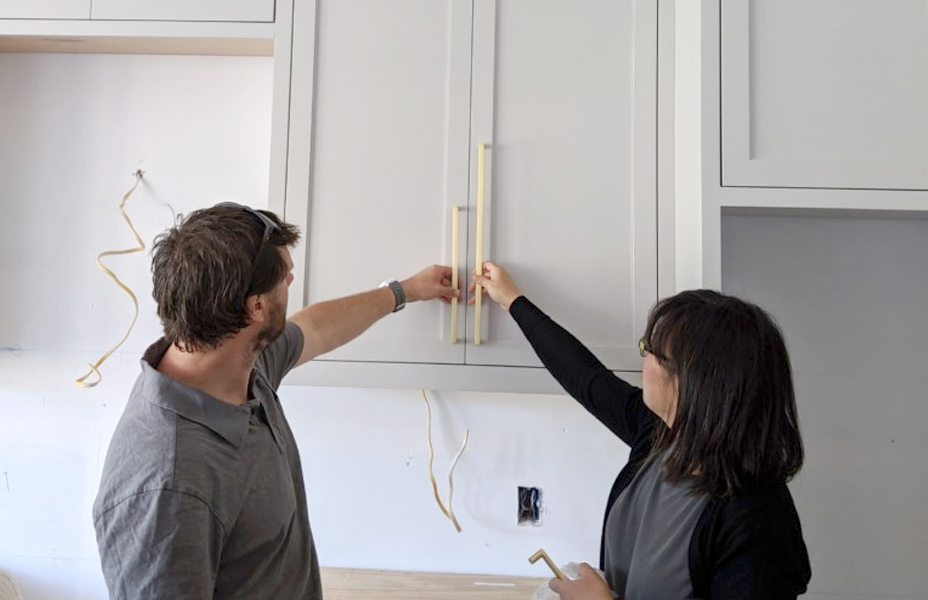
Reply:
x=74, y=127
x=371, y=503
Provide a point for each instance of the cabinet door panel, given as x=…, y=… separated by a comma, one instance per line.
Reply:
x=44, y=9
x=566, y=94
x=825, y=93
x=261, y=11
x=389, y=159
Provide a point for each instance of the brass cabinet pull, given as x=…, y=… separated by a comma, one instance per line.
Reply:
x=478, y=259
x=455, y=218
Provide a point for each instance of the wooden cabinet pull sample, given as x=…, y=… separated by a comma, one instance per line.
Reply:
x=455, y=220
x=478, y=244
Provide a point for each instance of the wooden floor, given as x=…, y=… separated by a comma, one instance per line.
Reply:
x=361, y=584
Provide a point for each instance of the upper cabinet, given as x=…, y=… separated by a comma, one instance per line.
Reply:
x=564, y=97
x=522, y=131
x=824, y=94
x=44, y=9
x=260, y=11
x=390, y=110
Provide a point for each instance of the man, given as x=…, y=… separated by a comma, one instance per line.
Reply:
x=202, y=492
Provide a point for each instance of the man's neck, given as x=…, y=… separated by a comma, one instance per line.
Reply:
x=222, y=372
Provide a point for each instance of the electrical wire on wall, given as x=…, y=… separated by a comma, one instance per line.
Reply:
x=448, y=512
x=95, y=367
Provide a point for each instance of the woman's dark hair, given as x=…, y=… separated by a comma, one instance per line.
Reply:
x=207, y=265
x=736, y=426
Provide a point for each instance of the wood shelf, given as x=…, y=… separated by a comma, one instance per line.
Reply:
x=364, y=584
x=137, y=37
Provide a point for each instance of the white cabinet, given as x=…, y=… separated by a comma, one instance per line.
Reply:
x=386, y=121
x=824, y=94
x=141, y=10
x=44, y=9
x=185, y=10
x=389, y=134
x=565, y=93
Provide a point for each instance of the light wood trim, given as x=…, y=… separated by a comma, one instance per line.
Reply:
x=363, y=584
x=134, y=37
x=137, y=45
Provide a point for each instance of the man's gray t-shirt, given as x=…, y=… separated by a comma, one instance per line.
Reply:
x=203, y=499
x=648, y=535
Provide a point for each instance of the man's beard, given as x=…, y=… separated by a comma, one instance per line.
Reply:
x=277, y=321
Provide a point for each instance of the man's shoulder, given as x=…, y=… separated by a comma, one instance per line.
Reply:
x=153, y=450
x=140, y=455
x=145, y=435
x=281, y=354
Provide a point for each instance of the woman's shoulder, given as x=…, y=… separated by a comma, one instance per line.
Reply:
x=753, y=538
x=751, y=509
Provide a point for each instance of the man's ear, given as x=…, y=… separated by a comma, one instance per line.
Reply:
x=257, y=308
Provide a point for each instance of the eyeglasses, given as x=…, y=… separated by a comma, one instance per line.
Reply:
x=644, y=348
x=270, y=228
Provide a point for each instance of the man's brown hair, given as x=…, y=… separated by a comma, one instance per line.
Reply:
x=207, y=265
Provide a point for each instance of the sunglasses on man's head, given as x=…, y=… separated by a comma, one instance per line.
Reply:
x=269, y=225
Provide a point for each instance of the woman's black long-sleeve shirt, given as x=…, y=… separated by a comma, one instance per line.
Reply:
x=745, y=546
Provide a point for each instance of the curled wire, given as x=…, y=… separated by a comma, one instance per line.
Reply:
x=95, y=367
x=448, y=512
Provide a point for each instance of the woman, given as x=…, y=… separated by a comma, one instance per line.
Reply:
x=701, y=509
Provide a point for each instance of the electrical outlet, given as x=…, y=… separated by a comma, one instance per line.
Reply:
x=529, y=506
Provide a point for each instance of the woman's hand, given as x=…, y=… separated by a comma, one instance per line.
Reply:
x=587, y=586
x=497, y=283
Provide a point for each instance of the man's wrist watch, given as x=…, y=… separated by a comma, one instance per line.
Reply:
x=398, y=294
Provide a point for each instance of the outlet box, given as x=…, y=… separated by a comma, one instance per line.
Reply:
x=529, y=506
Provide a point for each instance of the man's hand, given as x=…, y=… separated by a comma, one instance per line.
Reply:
x=587, y=586
x=498, y=284
x=332, y=323
x=430, y=283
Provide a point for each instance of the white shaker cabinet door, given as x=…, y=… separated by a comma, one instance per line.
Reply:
x=388, y=127
x=261, y=11
x=825, y=93
x=565, y=97
x=44, y=9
